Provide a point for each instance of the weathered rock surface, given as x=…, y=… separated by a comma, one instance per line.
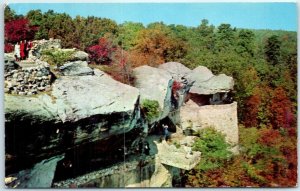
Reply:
x=176, y=69
x=182, y=158
x=40, y=45
x=206, y=83
x=79, y=97
x=9, y=63
x=40, y=176
x=154, y=84
x=221, y=117
x=76, y=68
x=79, y=109
x=80, y=55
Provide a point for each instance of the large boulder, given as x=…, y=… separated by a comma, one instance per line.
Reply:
x=221, y=117
x=155, y=84
x=81, y=55
x=176, y=69
x=205, y=83
x=40, y=45
x=76, y=68
x=9, y=63
x=78, y=110
x=79, y=97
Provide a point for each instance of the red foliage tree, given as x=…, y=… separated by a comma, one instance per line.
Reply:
x=8, y=48
x=282, y=110
x=252, y=106
x=102, y=52
x=17, y=30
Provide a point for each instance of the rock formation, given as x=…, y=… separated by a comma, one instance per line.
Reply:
x=85, y=129
x=154, y=84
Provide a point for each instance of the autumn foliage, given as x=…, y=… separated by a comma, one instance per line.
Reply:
x=282, y=115
x=102, y=52
x=17, y=30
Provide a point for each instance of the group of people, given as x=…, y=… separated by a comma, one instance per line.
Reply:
x=22, y=49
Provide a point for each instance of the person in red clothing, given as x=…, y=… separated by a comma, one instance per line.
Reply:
x=22, y=50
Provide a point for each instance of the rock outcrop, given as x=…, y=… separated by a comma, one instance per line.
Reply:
x=97, y=124
x=221, y=117
x=155, y=84
x=205, y=83
x=39, y=45
x=176, y=69
x=76, y=68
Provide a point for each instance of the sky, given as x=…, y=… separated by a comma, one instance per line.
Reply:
x=275, y=16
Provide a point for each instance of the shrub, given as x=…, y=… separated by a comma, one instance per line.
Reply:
x=101, y=53
x=150, y=108
x=213, y=147
x=57, y=57
x=8, y=48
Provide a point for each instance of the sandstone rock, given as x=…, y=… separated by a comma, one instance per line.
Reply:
x=79, y=105
x=80, y=55
x=40, y=45
x=9, y=63
x=41, y=88
x=221, y=117
x=77, y=68
x=155, y=84
x=84, y=96
x=6, y=90
x=206, y=83
x=176, y=69
x=178, y=157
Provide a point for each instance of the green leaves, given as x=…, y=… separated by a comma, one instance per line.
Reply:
x=57, y=57
x=213, y=147
x=150, y=108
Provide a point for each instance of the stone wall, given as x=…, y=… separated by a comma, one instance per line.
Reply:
x=27, y=80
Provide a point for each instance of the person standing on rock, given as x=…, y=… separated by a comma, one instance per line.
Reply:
x=165, y=132
x=17, y=51
x=147, y=148
x=22, y=50
x=26, y=49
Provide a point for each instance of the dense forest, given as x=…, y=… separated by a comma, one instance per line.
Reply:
x=263, y=64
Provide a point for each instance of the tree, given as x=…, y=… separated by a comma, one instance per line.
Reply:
x=156, y=47
x=102, y=52
x=225, y=37
x=245, y=43
x=272, y=50
x=17, y=30
x=9, y=14
x=282, y=115
x=128, y=33
x=35, y=17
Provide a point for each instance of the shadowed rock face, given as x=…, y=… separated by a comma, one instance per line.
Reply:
x=40, y=176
